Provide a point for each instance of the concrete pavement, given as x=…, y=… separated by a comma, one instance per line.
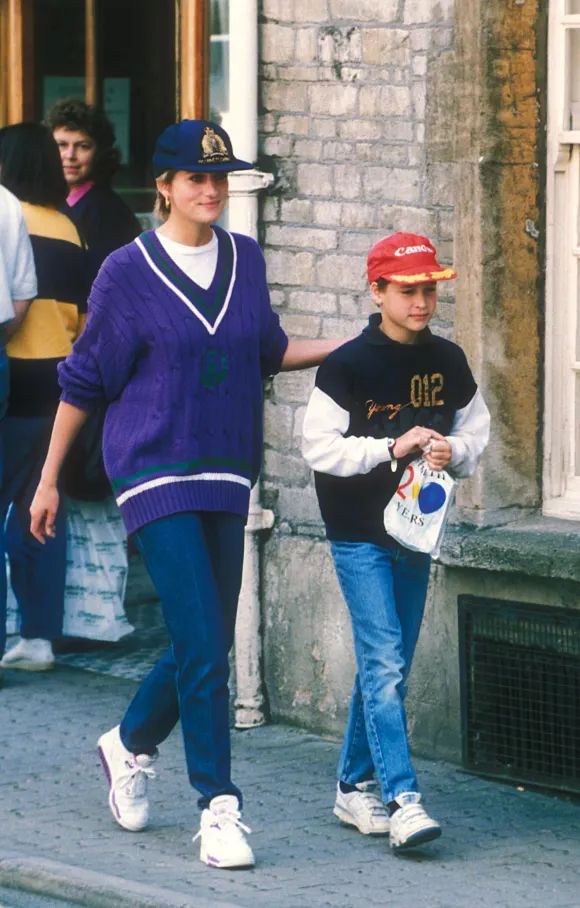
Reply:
x=500, y=846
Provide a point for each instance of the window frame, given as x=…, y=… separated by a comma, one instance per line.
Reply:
x=16, y=18
x=561, y=475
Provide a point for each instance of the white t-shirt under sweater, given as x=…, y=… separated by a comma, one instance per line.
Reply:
x=198, y=262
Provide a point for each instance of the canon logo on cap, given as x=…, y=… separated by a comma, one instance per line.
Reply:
x=409, y=250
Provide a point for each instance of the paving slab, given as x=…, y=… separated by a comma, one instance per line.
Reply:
x=501, y=846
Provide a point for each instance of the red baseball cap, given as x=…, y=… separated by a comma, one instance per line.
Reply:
x=406, y=258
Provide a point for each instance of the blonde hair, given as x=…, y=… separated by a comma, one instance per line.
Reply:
x=161, y=209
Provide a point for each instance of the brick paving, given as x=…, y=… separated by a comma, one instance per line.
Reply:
x=501, y=846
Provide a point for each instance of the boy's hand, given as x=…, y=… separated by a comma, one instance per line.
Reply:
x=417, y=440
x=438, y=454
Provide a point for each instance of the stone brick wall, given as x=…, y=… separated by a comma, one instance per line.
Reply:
x=417, y=115
x=344, y=130
x=343, y=88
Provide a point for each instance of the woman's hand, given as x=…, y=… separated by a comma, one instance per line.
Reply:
x=67, y=424
x=43, y=511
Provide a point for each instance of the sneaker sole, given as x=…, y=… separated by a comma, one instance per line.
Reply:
x=349, y=820
x=206, y=858
x=29, y=666
x=418, y=838
x=112, y=804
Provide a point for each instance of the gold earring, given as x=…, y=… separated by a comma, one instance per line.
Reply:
x=167, y=201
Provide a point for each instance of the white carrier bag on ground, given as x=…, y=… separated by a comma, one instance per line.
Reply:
x=96, y=574
x=96, y=571
x=417, y=513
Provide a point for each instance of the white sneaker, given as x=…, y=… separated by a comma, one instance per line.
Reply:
x=34, y=655
x=128, y=775
x=411, y=824
x=223, y=843
x=362, y=808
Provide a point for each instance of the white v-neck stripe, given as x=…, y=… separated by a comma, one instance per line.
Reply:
x=211, y=329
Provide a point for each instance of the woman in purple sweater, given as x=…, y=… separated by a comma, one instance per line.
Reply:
x=179, y=338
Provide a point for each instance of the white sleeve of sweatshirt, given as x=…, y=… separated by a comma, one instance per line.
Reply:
x=326, y=449
x=469, y=436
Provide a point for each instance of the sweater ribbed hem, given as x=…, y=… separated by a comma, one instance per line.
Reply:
x=174, y=498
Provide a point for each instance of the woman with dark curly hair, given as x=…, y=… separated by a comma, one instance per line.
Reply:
x=89, y=156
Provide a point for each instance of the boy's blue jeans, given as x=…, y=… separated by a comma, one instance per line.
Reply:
x=195, y=562
x=385, y=591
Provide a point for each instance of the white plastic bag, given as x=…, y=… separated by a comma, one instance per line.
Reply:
x=96, y=571
x=96, y=574
x=417, y=513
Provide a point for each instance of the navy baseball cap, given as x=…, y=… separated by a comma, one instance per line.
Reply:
x=198, y=146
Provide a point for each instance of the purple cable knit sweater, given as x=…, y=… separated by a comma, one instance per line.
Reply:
x=180, y=370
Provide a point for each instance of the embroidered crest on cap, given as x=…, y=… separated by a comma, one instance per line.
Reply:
x=214, y=148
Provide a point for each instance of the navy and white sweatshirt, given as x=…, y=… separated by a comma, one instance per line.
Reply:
x=370, y=391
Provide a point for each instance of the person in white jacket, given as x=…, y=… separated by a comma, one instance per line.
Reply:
x=17, y=288
x=17, y=277
x=395, y=392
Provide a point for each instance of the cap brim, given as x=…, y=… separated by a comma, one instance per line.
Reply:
x=224, y=167
x=446, y=274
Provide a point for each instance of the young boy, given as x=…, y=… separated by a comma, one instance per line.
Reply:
x=395, y=392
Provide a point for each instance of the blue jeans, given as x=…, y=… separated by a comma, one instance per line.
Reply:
x=4, y=387
x=385, y=591
x=4, y=384
x=37, y=571
x=195, y=562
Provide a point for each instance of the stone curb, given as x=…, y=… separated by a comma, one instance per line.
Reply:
x=91, y=889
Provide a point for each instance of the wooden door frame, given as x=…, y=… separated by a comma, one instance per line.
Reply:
x=92, y=69
x=17, y=72
x=193, y=58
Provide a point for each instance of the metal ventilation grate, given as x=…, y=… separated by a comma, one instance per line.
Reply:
x=520, y=691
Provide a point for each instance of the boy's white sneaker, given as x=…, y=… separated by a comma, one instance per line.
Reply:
x=411, y=824
x=223, y=843
x=33, y=655
x=127, y=775
x=363, y=809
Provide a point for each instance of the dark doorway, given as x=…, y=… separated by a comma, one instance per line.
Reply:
x=135, y=43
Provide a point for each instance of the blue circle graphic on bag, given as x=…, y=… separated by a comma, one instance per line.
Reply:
x=431, y=497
